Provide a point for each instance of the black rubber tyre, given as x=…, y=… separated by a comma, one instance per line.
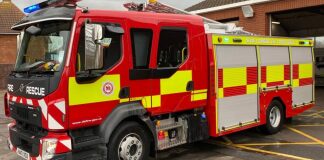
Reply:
x=124, y=140
x=274, y=118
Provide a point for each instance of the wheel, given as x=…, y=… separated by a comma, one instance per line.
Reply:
x=129, y=142
x=274, y=118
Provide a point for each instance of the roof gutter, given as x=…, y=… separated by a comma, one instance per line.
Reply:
x=229, y=6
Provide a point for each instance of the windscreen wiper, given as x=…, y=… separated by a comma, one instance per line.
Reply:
x=42, y=72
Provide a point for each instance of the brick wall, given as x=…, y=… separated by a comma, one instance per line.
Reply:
x=8, y=52
x=259, y=24
x=8, y=49
x=5, y=69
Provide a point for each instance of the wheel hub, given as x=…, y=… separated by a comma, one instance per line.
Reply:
x=275, y=116
x=130, y=148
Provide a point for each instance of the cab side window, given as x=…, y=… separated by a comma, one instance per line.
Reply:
x=141, y=45
x=173, y=49
x=110, y=54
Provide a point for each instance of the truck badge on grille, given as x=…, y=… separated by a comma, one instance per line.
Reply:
x=21, y=88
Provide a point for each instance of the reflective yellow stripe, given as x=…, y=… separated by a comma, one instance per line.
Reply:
x=263, y=85
x=286, y=82
x=177, y=83
x=275, y=73
x=234, y=77
x=198, y=96
x=252, y=89
x=220, y=93
x=156, y=101
x=260, y=41
x=136, y=99
x=124, y=100
x=296, y=82
x=148, y=101
x=93, y=92
x=305, y=70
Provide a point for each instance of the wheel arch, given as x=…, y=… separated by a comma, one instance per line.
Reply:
x=133, y=111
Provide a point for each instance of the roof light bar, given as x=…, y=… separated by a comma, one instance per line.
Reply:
x=32, y=8
x=39, y=6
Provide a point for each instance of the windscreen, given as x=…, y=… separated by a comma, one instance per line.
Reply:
x=45, y=51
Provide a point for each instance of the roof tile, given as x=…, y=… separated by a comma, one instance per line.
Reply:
x=9, y=15
x=212, y=3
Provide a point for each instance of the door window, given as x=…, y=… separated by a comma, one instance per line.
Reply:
x=141, y=45
x=173, y=49
x=109, y=54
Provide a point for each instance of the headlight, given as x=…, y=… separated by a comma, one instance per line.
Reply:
x=49, y=147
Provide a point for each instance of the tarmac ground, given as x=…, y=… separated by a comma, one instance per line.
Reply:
x=301, y=139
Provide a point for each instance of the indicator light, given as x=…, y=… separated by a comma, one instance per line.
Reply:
x=220, y=39
x=158, y=123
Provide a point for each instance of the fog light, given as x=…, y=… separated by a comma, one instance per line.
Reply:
x=49, y=147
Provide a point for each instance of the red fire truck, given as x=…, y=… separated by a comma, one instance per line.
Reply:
x=102, y=84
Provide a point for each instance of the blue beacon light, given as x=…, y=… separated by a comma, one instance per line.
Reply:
x=32, y=8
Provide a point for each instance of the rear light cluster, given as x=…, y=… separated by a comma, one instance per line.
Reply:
x=6, y=105
x=162, y=135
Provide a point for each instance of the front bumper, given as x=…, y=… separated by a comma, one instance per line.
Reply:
x=32, y=144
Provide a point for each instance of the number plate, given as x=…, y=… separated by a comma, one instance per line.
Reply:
x=23, y=153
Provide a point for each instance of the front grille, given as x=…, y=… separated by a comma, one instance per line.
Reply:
x=28, y=131
x=29, y=128
x=23, y=113
x=26, y=114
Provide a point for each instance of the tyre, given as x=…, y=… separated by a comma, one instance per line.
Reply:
x=274, y=118
x=130, y=141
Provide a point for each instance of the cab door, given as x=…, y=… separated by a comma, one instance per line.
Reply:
x=172, y=74
x=97, y=70
x=142, y=45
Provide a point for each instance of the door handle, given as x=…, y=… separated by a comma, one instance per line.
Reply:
x=124, y=93
x=190, y=86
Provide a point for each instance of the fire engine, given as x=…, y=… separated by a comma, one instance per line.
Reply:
x=121, y=85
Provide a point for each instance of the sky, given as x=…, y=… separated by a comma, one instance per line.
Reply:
x=181, y=4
